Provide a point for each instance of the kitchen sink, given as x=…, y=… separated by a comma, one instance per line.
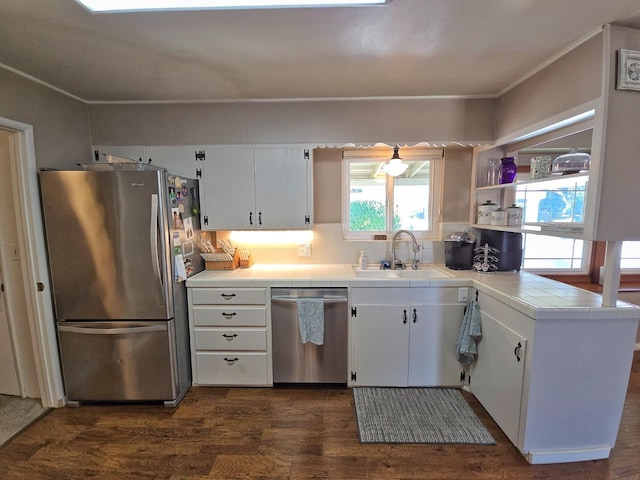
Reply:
x=423, y=273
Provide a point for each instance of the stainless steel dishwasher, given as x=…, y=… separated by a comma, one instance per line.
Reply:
x=295, y=362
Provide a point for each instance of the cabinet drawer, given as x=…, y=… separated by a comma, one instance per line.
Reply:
x=227, y=296
x=231, y=368
x=230, y=339
x=220, y=315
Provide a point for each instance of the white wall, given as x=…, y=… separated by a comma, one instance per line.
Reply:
x=60, y=124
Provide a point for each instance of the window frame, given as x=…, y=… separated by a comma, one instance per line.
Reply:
x=436, y=179
x=587, y=255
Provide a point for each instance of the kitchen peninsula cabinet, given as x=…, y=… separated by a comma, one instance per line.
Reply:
x=249, y=188
x=497, y=376
x=405, y=337
x=229, y=336
x=556, y=383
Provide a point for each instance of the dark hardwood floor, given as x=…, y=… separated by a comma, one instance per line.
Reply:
x=285, y=433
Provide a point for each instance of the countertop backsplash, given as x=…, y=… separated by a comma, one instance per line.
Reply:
x=329, y=247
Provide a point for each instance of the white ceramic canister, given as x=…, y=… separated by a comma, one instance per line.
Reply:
x=484, y=212
x=514, y=216
x=540, y=167
x=499, y=217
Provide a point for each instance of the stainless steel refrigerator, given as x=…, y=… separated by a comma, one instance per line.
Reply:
x=120, y=244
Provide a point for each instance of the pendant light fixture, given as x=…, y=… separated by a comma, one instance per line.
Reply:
x=395, y=166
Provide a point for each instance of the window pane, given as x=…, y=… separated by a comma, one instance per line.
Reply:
x=630, y=258
x=411, y=205
x=367, y=197
x=544, y=202
x=543, y=252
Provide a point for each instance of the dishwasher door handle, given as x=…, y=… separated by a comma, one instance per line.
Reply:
x=294, y=299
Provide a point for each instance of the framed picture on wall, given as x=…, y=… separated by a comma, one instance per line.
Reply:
x=628, y=70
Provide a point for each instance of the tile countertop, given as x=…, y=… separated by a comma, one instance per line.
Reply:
x=535, y=296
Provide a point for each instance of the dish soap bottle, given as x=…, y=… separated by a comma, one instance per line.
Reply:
x=363, y=260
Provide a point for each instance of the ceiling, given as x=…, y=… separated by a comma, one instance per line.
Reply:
x=405, y=49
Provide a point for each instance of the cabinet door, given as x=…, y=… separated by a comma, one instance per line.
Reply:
x=178, y=160
x=432, y=345
x=228, y=189
x=498, y=373
x=282, y=187
x=380, y=345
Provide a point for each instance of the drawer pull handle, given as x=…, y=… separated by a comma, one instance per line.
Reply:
x=228, y=315
x=230, y=361
x=229, y=337
x=404, y=317
x=227, y=296
x=415, y=316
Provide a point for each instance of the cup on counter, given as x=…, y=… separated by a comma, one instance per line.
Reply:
x=499, y=217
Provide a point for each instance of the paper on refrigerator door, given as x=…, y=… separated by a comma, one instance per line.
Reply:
x=181, y=271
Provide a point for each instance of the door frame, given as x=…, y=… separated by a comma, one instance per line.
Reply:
x=24, y=177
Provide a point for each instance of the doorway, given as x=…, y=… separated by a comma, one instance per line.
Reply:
x=29, y=310
x=9, y=365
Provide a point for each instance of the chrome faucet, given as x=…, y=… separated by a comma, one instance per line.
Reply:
x=395, y=263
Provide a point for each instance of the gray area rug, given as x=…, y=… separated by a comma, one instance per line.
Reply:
x=17, y=413
x=417, y=415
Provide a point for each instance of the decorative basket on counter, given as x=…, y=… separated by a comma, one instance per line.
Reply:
x=221, y=261
x=227, y=261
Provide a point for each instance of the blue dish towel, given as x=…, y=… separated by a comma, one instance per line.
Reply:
x=311, y=320
x=470, y=333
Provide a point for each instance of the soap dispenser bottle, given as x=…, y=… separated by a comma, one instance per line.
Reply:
x=363, y=260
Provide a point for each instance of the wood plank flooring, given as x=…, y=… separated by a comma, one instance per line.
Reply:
x=275, y=433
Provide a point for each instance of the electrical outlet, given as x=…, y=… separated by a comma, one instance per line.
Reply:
x=304, y=250
x=463, y=294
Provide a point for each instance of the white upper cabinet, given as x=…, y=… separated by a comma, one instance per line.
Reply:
x=257, y=188
x=283, y=187
x=229, y=189
x=178, y=160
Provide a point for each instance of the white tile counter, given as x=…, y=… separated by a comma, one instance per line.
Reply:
x=535, y=296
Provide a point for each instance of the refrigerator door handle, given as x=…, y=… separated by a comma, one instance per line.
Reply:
x=111, y=331
x=153, y=233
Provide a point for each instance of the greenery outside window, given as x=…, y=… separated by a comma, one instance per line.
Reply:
x=376, y=203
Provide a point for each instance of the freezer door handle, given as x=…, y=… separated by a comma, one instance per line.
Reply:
x=111, y=331
x=153, y=234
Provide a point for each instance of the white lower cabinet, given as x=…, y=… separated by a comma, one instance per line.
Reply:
x=498, y=374
x=229, y=336
x=554, y=384
x=405, y=336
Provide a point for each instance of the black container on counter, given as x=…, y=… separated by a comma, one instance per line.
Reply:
x=509, y=245
x=458, y=251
